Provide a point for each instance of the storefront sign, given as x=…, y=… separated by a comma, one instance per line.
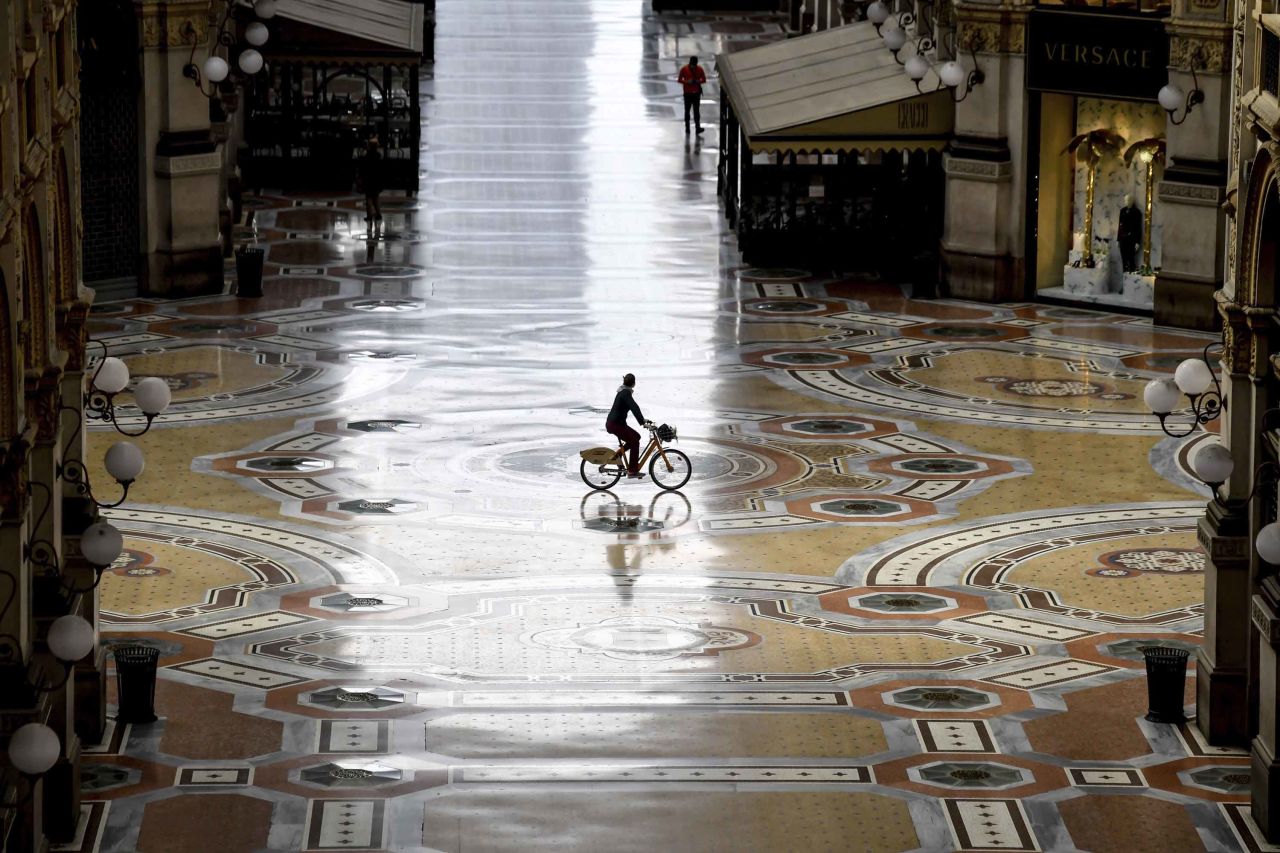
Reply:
x=1110, y=56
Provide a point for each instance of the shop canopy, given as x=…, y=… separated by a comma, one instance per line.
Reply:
x=836, y=90
x=394, y=24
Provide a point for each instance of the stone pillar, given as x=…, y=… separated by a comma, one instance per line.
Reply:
x=984, y=231
x=180, y=163
x=1222, y=661
x=1195, y=176
x=1265, y=802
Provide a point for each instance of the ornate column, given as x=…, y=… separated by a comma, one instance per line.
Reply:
x=181, y=168
x=982, y=241
x=1222, y=662
x=1195, y=179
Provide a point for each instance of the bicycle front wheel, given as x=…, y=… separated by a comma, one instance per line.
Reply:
x=600, y=477
x=671, y=473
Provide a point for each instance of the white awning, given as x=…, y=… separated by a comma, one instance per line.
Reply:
x=395, y=23
x=840, y=83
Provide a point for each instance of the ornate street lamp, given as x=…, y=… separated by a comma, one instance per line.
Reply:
x=1194, y=378
x=217, y=69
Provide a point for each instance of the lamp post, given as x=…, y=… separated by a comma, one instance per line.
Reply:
x=248, y=60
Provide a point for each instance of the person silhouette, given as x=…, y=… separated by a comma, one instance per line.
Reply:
x=692, y=78
x=616, y=423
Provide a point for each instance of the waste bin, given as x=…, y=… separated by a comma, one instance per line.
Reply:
x=1166, y=683
x=249, y=272
x=136, y=683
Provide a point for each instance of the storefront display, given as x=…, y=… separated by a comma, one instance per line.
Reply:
x=1100, y=148
x=831, y=156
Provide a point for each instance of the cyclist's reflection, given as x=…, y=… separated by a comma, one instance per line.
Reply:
x=649, y=526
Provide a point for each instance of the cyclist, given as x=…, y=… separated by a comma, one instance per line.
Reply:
x=616, y=423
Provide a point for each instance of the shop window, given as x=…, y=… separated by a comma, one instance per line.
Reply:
x=1122, y=7
x=1270, y=72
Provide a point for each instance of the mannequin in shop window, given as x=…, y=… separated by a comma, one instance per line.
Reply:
x=1129, y=233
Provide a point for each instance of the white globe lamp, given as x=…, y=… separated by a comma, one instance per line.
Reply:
x=70, y=638
x=111, y=376
x=34, y=748
x=1268, y=543
x=952, y=74
x=265, y=9
x=124, y=461
x=1213, y=464
x=1161, y=395
x=250, y=61
x=256, y=34
x=1171, y=97
x=100, y=543
x=152, y=395
x=878, y=12
x=916, y=67
x=1193, y=376
x=894, y=37
x=216, y=69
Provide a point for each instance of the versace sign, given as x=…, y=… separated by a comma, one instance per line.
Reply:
x=1096, y=54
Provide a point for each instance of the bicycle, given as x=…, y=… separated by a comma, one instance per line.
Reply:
x=603, y=467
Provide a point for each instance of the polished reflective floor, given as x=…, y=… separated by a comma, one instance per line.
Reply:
x=901, y=604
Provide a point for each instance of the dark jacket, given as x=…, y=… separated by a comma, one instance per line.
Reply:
x=370, y=173
x=1129, y=229
x=623, y=403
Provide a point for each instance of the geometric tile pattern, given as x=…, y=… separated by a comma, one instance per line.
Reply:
x=902, y=600
x=736, y=774
x=354, y=736
x=345, y=824
x=214, y=776
x=955, y=736
x=990, y=825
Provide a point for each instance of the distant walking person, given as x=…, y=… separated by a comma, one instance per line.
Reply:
x=692, y=77
x=370, y=177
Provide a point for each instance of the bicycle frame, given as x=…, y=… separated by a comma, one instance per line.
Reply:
x=654, y=445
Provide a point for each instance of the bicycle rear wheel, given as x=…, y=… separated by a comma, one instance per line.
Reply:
x=674, y=472
x=600, y=477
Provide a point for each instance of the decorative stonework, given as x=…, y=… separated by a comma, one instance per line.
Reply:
x=990, y=31
x=978, y=169
x=1204, y=49
x=170, y=26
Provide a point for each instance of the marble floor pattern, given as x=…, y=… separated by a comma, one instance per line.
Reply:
x=900, y=606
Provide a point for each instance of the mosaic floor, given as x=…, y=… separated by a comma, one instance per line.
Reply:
x=900, y=606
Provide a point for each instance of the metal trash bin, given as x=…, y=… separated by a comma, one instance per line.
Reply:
x=136, y=683
x=249, y=272
x=1166, y=683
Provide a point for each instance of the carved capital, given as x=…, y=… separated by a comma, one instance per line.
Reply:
x=1206, y=49
x=13, y=474
x=984, y=29
x=173, y=24
x=1237, y=341
x=44, y=399
x=1264, y=619
x=71, y=332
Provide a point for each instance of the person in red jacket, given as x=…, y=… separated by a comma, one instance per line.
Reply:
x=692, y=78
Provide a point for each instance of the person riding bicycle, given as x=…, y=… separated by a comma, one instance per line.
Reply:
x=616, y=423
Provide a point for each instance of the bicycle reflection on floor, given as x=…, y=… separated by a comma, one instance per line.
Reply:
x=605, y=512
